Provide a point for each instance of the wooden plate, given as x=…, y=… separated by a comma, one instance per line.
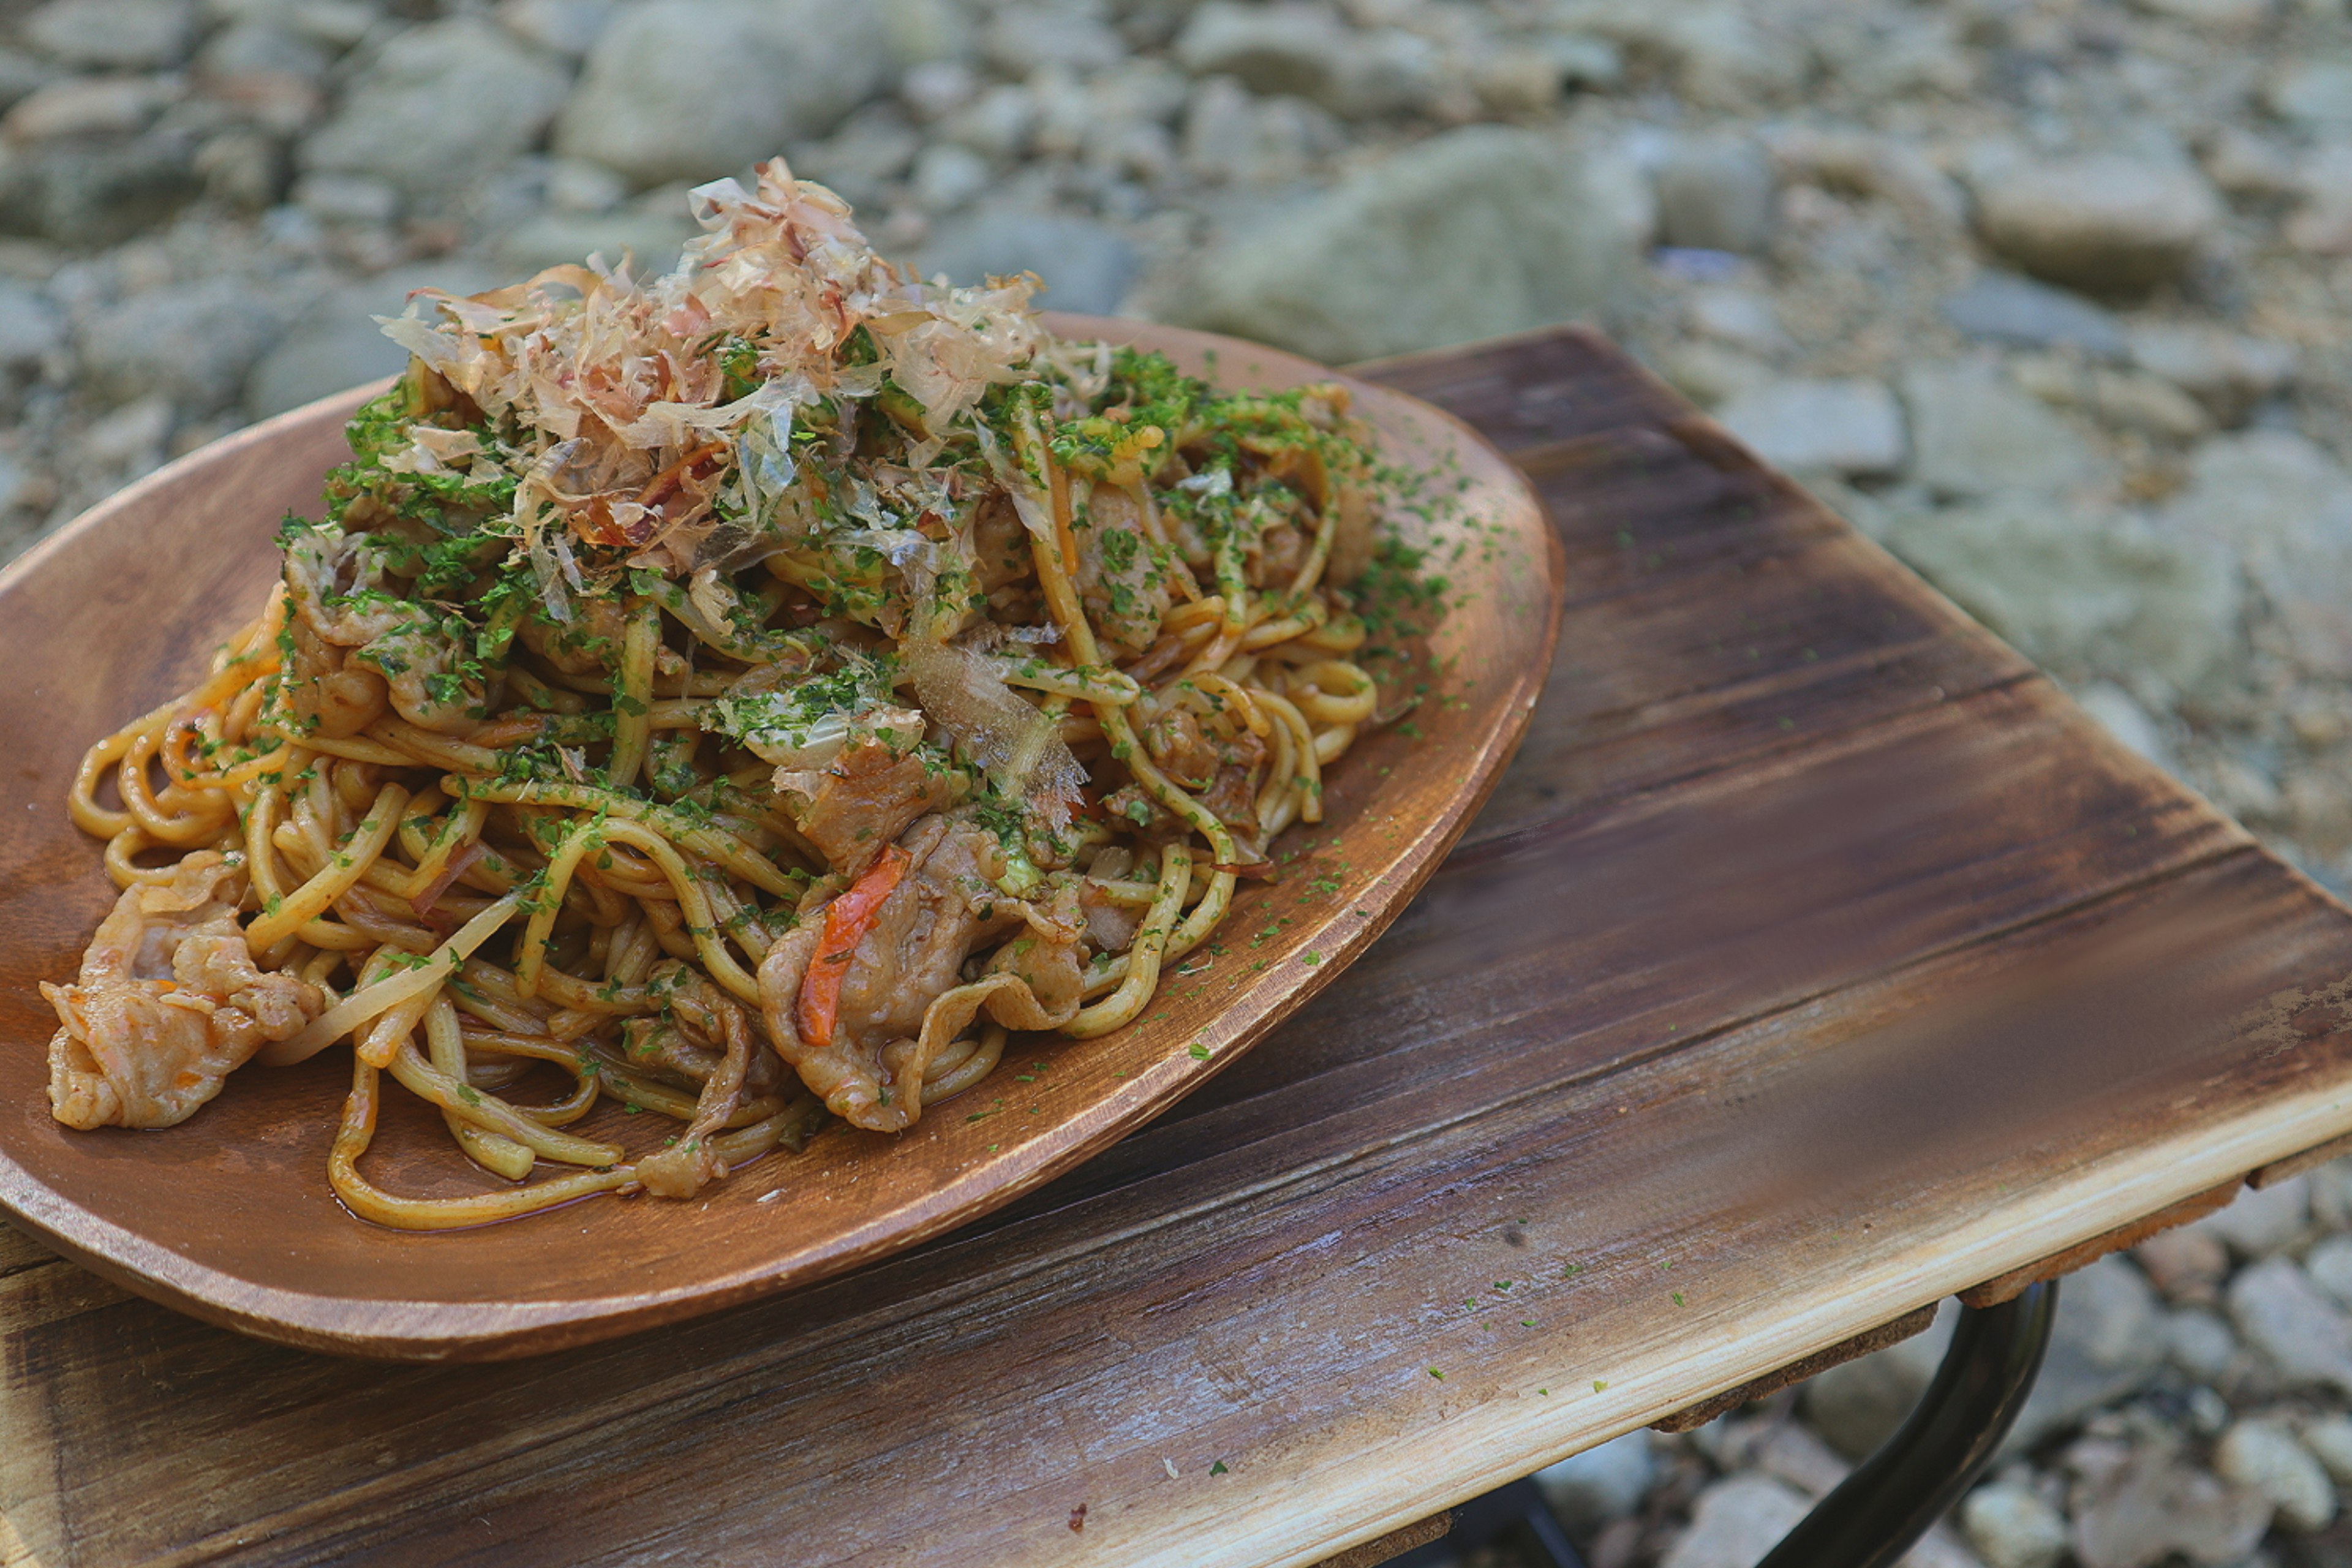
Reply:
x=229, y=1216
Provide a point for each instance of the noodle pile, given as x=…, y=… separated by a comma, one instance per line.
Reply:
x=750, y=694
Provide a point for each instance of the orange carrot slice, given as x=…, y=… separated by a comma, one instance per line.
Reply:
x=846, y=921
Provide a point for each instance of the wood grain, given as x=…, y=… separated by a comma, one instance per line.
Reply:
x=230, y=1217
x=1701, y=1057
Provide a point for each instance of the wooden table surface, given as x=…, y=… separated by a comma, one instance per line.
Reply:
x=1816, y=959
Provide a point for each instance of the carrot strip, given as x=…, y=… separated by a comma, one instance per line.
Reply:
x=846, y=921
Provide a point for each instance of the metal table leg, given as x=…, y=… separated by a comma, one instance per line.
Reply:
x=1877, y=1513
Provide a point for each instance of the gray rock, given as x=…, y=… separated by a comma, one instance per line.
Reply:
x=946, y=177
x=2315, y=92
x=2263, y=1458
x=1740, y=316
x=1086, y=267
x=347, y=198
x=689, y=89
x=1716, y=195
x=2283, y=507
x=337, y=344
x=32, y=328
x=2119, y=713
x=1582, y=60
x=2329, y=1263
x=2002, y=308
x=2012, y=1527
x=1857, y=1405
x=1468, y=235
x=257, y=48
x=2283, y=1315
x=2103, y=223
x=2155, y=1504
x=1973, y=433
x=2201, y=1345
x=1307, y=50
x=439, y=106
x=1711, y=375
x=1736, y=1522
x=2261, y=1221
x=2329, y=1438
x=118, y=35
x=90, y=107
x=1589, y=1489
x=2107, y=1343
x=650, y=239
x=1021, y=37
x=577, y=186
x=193, y=343
x=1231, y=135
x=1849, y=426
x=2104, y=591
x=567, y=27
x=999, y=123
x=2229, y=374
x=86, y=194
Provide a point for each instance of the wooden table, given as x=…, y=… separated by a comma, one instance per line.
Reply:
x=1816, y=960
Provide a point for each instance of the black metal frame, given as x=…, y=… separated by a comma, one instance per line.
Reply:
x=1877, y=1513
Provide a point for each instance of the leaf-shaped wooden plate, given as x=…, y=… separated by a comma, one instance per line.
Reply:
x=229, y=1216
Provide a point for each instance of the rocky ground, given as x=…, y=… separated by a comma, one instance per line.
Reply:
x=2049, y=295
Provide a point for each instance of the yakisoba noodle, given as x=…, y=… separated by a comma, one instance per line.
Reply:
x=750, y=694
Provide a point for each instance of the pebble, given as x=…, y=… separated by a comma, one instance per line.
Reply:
x=2263, y=1458
x=2155, y=1502
x=2329, y=1263
x=2107, y=224
x=1736, y=1522
x=1974, y=433
x=336, y=344
x=568, y=28
x=2316, y=94
x=2226, y=372
x=1090, y=266
x=2329, y=1440
x=691, y=89
x=1741, y=317
x=438, y=107
x=1608, y=1482
x=114, y=34
x=1716, y=195
x=192, y=344
x=2010, y=1526
x=2282, y=1314
x=1471, y=234
x=2284, y=506
x=2262, y=1221
x=1231, y=135
x=2201, y=1345
x=88, y=106
x=2002, y=308
x=2101, y=590
x=2120, y=714
x=1848, y=425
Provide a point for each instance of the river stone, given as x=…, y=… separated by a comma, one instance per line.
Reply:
x=2229, y=374
x=1589, y=1489
x=336, y=344
x=690, y=90
x=440, y=105
x=2012, y=1527
x=2284, y=1316
x=1974, y=433
x=2284, y=506
x=1848, y=425
x=1471, y=233
x=114, y=34
x=2103, y=222
x=1736, y=1522
x=193, y=342
x=2263, y=1457
x=1086, y=267
x=2099, y=590
x=2002, y=308
x=1717, y=193
x=2261, y=1221
x=2315, y=92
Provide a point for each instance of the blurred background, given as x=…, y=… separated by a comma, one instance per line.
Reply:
x=2047, y=295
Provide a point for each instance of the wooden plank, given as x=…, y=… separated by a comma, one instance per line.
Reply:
x=1809, y=1025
